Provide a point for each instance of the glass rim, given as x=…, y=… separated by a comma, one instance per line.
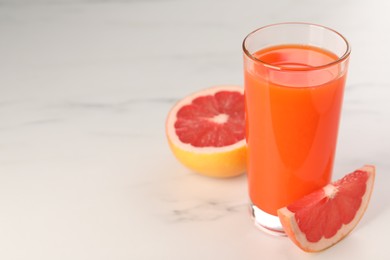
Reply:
x=276, y=67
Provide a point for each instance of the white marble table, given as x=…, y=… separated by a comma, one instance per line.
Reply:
x=85, y=169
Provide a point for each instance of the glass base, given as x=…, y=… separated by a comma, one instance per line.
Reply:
x=267, y=222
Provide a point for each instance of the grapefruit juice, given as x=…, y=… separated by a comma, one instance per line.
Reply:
x=293, y=96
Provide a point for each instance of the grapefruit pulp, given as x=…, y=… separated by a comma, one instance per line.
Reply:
x=324, y=217
x=206, y=131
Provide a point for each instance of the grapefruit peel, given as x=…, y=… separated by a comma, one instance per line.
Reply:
x=292, y=226
x=220, y=162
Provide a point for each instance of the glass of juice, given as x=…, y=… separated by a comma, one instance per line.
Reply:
x=294, y=83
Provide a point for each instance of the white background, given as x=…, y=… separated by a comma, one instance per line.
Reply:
x=85, y=87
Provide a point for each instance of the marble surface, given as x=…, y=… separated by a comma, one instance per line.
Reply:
x=85, y=86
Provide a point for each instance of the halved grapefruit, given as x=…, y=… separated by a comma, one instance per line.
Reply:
x=324, y=217
x=206, y=131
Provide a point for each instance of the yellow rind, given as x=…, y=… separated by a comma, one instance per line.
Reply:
x=223, y=164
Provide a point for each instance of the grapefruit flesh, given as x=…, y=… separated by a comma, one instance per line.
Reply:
x=324, y=217
x=206, y=131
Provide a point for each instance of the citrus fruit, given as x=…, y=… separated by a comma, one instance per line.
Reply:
x=206, y=131
x=324, y=217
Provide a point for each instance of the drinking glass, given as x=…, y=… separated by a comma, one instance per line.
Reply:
x=294, y=83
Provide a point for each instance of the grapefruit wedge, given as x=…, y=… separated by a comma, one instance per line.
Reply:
x=324, y=217
x=206, y=131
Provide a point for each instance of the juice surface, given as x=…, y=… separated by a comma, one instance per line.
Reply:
x=292, y=122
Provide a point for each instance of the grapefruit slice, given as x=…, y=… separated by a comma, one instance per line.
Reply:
x=206, y=131
x=324, y=217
